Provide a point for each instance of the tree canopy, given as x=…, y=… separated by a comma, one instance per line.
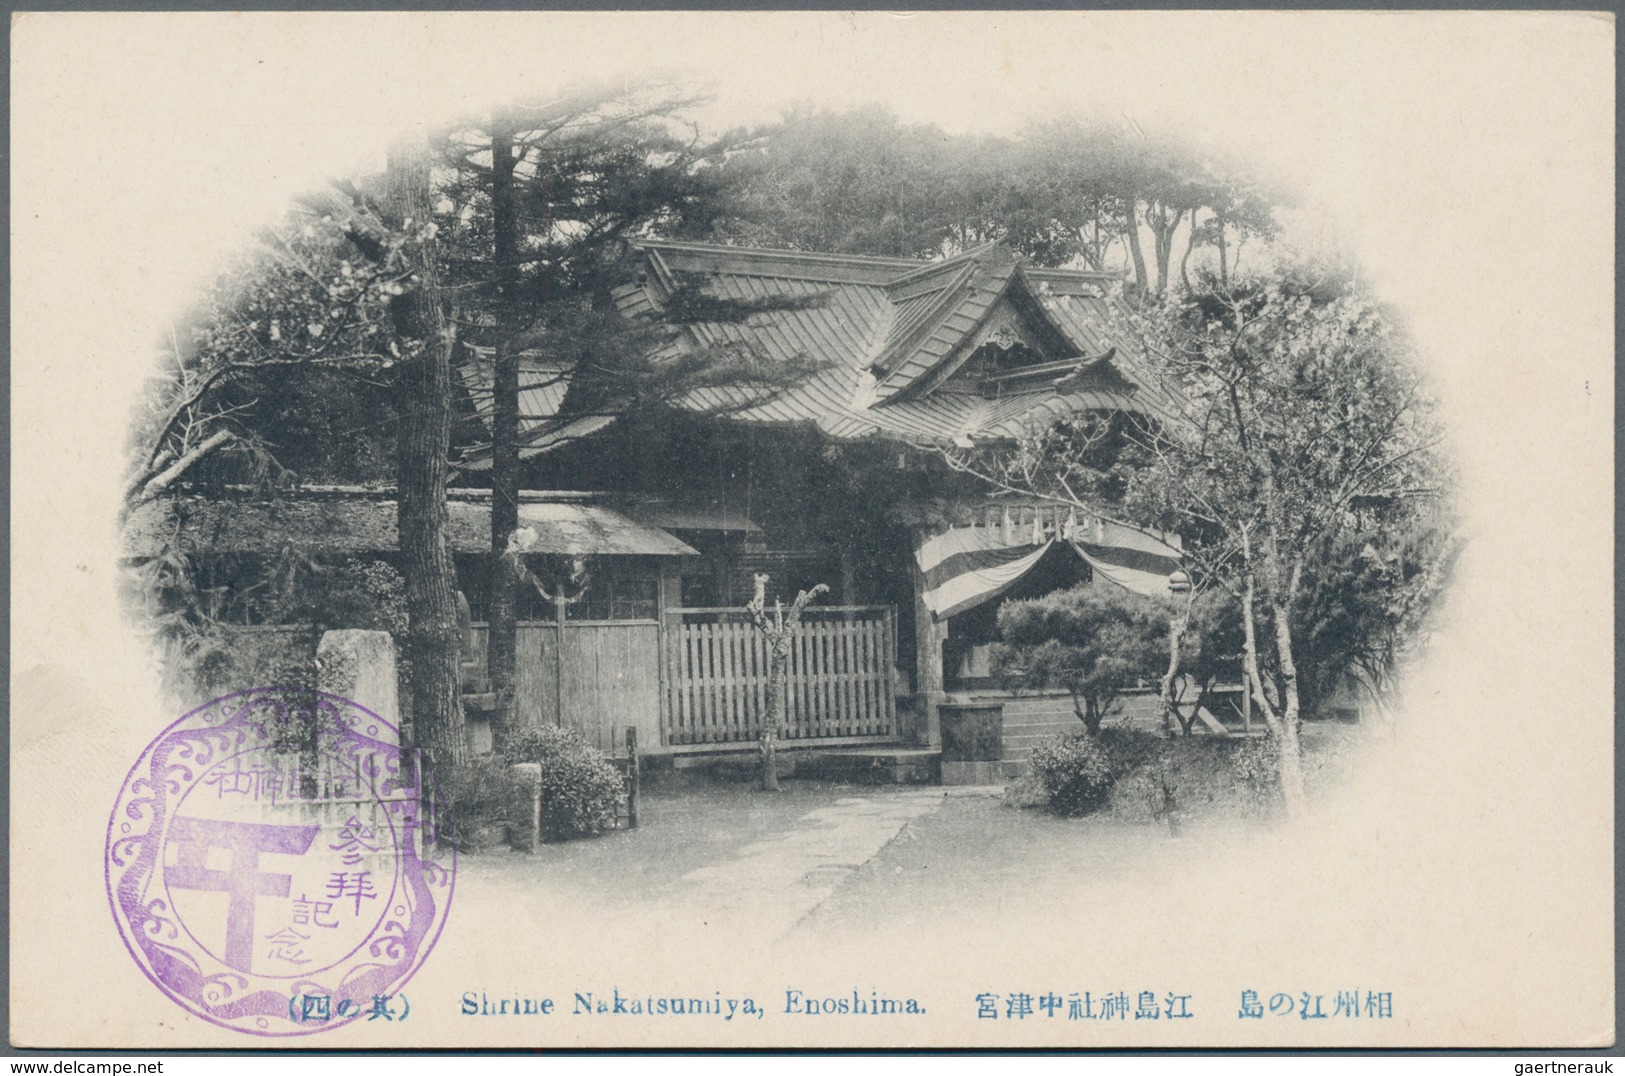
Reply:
x=1070, y=192
x=1093, y=640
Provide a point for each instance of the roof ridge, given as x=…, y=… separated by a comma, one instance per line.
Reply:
x=977, y=253
x=911, y=265
x=779, y=253
x=1093, y=276
x=926, y=321
x=995, y=281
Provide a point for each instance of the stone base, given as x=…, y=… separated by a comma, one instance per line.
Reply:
x=872, y=765
x=979, y=773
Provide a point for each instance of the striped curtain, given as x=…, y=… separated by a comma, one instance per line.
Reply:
x=966, y=566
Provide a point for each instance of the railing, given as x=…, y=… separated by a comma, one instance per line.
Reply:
x=715, y=673
x=335, y=793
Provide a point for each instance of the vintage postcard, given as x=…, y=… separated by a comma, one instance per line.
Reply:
x=812, y=529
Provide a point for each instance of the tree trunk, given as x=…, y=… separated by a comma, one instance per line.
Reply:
x=778, y=677
x=1089, y=712
x=1162, y=232
x=1185, y=260
x=778, y=629
x=1094, y=255
x=502, y=638
x=1177, y=626
x=1131, y=232
x=422, y=446
x=1249, y=657
x=1291, y=756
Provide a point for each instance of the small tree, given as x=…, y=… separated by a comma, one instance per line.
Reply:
x=779, y=629
x=1095, y=641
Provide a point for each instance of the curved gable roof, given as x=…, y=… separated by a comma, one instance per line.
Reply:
x=888, y=331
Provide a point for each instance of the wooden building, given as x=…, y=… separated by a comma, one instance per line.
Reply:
x=839, y=480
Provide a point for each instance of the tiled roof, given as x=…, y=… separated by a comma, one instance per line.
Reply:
x=886, y=334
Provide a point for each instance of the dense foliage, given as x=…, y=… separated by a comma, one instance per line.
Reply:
x=1075, y=772
x=1304, y=475
x=1094, y=640
x=479, y=800
x=1060, y=192
x=581, y=789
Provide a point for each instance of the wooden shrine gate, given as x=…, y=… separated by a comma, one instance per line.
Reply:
x=714, y=676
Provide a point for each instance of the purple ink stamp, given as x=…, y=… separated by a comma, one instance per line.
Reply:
x=270, y=865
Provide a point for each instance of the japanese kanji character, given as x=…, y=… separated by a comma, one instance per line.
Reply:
x=987, y=1006
x=1251, y=1007
x=1147, y=1008
x=315, y=1007
x=380, y=1008
x=354, y=841
x=243, y=880
x=1114, y=1006
x=1050, y=1003
x=307, y=911
x=1309, y=1006
x=1379, y=1006
x=1080, y=1008
x=287, y=944
x=1346, y=1003
x=357, y=884
x=1178, y=1006
x=1019, y=1006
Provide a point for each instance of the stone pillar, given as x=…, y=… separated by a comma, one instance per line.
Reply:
x=530, y=775
x=360, y=666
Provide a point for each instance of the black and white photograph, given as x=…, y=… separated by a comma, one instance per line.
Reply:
x=1065, y=530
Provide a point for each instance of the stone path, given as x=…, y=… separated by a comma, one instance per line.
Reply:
x=768, y=886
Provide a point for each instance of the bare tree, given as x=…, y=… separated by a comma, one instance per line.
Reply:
x=779, y=629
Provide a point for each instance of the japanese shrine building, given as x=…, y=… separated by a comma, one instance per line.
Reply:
x=838, y=480
x=841, y=480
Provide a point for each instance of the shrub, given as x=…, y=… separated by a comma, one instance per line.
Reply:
x=581, y=789
x=479, y=799
x=1256, y=768
x=1076, y=773
x=1131, y=749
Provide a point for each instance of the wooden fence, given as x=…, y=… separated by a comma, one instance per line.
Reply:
x=715, y=676
x=701, y=677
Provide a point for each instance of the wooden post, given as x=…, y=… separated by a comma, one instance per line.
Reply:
x=633, y=776
x=848, y=585
x=928, y=679
x=667, y=598
x=559, y=605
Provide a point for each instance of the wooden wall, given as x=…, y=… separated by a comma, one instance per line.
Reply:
x=611, y=678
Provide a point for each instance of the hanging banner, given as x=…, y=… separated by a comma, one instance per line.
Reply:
x=967, y=566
